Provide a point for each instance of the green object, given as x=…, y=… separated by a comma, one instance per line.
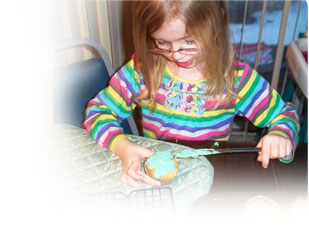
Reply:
x=289, y=91
x=192, y=153
x=302, y=35
x=303, y=134
x=162, y=162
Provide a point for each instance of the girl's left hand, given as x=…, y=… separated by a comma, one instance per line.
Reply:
x=273, y=147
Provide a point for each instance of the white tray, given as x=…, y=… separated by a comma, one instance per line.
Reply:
x=83, y=167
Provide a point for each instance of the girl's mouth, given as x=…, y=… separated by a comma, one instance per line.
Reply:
x=186, y=63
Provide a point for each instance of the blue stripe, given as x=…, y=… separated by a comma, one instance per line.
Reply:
x=255, y=98
x=121, y=115
x=167, y=121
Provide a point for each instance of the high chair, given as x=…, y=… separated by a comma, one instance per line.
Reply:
x=296, y=88
x=75, y=84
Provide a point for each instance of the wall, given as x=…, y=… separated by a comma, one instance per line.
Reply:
x=80, y=19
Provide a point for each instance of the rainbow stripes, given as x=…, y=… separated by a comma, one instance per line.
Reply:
x=256, y=100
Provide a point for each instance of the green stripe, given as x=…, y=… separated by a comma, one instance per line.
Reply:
x=119, y=105
x=190, y=118
x=101, y=122
x=252, y=87
x=286, y=120
x=271, y=111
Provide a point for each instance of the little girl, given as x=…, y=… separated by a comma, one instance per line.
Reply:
x=189, y=86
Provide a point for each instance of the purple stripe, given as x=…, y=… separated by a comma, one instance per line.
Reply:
x=103, y=130
x=254, y=99
x=187, y=128
x=124, y=78
x=100, y=97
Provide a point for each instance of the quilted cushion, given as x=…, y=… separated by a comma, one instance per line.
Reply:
x=82, y=167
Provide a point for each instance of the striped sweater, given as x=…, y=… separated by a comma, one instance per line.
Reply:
x=183, y=110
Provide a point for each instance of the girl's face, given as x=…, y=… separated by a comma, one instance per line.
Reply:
x=172, y=36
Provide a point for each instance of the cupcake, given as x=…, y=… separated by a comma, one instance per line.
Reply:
x=161, y=166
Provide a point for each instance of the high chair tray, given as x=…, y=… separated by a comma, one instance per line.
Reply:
x=81, y=167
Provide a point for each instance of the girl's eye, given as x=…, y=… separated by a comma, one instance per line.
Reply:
x=161, y=43
x=190, y=42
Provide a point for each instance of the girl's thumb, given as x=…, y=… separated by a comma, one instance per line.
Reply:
x=147, y=153
x=259, y=145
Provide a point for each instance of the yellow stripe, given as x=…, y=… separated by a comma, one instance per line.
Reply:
x=226, y=138
x=277, y=132
x=103, y=117
x=210, y=113
x=264, y=114
x=118, y=99
x=280, y=117
x=248, y=85
x=170, y=73
x=115, y=140
x=150, y=133
x=238, y=73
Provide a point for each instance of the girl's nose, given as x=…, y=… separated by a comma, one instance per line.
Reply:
x=176, y=55
x=174, y=52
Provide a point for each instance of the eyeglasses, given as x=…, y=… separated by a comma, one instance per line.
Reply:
x=185, y=51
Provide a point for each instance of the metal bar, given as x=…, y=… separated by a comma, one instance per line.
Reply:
x=293, y=38
x=242, y=28
x=297, y=19
x=257, y=57
x=280, y=47
x=284, y=82
x=260, y=35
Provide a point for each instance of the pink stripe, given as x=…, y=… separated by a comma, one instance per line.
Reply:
x=109, y=136
x=288, y=132
x=92, y=102
x=156, y=130
x=201, y=137
x=223, y=103
x=115, y=82
x=87, y=124
x=213, y=103
x=289, y=113
x=238, y=63
x=245, y=72
x=258, y=107
x=160, y=97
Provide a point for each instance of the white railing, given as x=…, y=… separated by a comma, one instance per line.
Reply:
x=101, y=21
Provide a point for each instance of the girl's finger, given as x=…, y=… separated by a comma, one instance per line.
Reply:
x=289, y=148
x=148, y=180
x=134, y=183
x=283, y=149
x=259, y=145
x=274, y=150
x=259, y=158
x=265, y=159
x=123, y=178
x=265, y=153
x=132, y=173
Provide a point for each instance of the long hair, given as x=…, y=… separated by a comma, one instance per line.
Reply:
x=207, y=23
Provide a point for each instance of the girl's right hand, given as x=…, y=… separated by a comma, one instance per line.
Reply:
x=131, y=156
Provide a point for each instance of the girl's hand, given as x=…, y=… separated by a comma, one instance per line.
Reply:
x=131, y=156
x=272, y=147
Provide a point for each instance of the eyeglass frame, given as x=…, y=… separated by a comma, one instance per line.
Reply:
x=169, y=51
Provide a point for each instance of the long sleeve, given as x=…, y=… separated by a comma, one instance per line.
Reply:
x=264, y=107
x=105, y=112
